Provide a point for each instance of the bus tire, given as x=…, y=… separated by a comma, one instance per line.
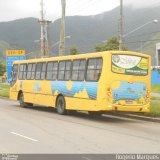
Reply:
x=61, y=105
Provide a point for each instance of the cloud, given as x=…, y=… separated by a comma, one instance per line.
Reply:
x=141, y=3
x=15, y=9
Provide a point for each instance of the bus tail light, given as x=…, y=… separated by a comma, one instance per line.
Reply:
x=147, y=94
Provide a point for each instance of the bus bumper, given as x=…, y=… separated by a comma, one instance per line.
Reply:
x=133, y=108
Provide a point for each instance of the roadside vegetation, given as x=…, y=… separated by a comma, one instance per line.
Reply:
x=4, y=90
x=155, y=98
x=155, y=88
x=155, y=110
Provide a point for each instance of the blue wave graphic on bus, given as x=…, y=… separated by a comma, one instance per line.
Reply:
x=128, y=91
x=61, y=87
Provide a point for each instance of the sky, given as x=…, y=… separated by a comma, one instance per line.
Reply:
x=16, y=9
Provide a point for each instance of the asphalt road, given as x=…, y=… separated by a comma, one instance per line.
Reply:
x=41, y=130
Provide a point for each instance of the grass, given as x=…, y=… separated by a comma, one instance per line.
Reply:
x=155, y=98
x=155, y=88
x=155, y=110
x=4, y=90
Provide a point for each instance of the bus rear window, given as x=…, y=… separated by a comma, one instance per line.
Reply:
x=130, y=65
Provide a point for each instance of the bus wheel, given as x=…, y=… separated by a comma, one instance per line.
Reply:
x=21, y=100
x=61, y=105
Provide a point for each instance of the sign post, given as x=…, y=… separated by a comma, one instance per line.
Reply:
x=11, y=56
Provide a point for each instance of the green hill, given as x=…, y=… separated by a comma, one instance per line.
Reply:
x=85, y=31
x=3, y=47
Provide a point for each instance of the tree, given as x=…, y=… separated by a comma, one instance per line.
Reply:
x=2, y=69
x=111, y=44
x=73, y=51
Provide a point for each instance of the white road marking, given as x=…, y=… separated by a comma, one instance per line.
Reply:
x=24, y=136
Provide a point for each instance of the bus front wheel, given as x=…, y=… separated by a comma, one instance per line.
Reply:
x=21, y=101
x=61, y=105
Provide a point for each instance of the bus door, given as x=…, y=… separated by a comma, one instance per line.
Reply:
x=13, y=80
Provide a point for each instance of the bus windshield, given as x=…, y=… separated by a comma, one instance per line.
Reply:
x=129, y=64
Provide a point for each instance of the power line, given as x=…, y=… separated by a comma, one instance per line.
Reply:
x=146, y=33
x=91, y=2
x=77, y=8
x=67, y=8
x=142, y=41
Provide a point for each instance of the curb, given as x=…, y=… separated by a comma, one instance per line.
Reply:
x=6, y=98
x=136, y=116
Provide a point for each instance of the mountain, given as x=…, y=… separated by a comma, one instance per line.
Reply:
x=3, y=46
x=20, y=33
x=86, y=31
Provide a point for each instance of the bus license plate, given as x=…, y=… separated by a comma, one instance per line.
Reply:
x=129, y=102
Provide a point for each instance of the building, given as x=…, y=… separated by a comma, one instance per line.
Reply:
x=157, y=56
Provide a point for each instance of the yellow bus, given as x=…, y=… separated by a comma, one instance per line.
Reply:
x=97, y=82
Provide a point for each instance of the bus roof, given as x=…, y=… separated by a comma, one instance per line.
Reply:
x=80, y=56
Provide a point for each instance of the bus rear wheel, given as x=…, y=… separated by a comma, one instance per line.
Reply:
x=61, y=105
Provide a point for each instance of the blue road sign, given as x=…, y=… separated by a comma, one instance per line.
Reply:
x=9, y=62
x=155, y=76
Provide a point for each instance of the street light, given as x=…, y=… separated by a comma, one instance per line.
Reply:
x=30, y=53
x=153, y=21
x=36, y=41
x=66, y=37
x=134, y=30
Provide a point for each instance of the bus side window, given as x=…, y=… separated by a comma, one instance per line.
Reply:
x=38, y=71
x=52, y=68
x=99, y=67
x=68, y=70
x=55, y=69
x=61, y=70
x=43, y=71
x=75, y=70
x=78, y=72
x=81, y=72
x=49, y=73
x=20, y=71
x=23, y=71
x=33, y=71
x=29, y=71
x=94, y=69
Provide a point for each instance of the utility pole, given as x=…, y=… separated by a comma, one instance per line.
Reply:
x=121, y=30
x=62, y=31
x=44, y=32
